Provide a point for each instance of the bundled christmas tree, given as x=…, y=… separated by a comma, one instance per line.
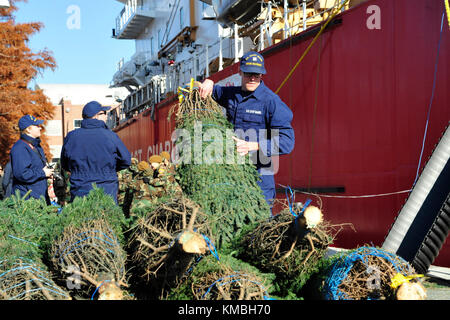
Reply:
x=24, y=226
x=369, y=273
x=88, y=247
x=168, y=236
x=222, y=277
x=290, y=244
x=211, y=172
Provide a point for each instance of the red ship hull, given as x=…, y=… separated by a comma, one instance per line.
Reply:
x=360, y=100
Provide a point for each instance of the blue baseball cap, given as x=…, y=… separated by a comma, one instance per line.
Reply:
x=92, y=108
x=252, y=62
x=27, y=121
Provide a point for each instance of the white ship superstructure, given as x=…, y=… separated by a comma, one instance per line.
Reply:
x=177, y=40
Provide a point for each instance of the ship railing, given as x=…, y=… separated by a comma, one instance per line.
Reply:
x=145, y=97
x=224, y=51
x=131, y=7
x=313, y=12
x=227, y=49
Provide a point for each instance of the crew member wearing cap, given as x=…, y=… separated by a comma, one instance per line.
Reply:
x=254, y=106
x=28, y=162
x=94, y=154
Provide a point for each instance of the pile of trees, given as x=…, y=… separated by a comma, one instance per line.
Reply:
x=170, y=238
x=196, y=229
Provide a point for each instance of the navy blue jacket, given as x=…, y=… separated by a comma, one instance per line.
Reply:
x=7, y=181
x=93, y=154
x=259, y=116
x=27, y=167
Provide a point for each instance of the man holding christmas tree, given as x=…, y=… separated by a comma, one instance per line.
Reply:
x=261, y=120
x=93, y=154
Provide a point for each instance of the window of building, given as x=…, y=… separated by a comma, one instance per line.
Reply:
x=77, y=123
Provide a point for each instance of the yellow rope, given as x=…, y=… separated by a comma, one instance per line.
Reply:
x=400, y=279
x=447, y=8
x=311, y=44
x=192, y=84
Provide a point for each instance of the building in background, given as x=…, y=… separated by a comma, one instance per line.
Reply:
x=69, y=100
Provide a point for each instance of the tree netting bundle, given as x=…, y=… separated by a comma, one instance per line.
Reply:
x=89, y=255
x=89, y=248
x=224, y=278
x=368, y=273
x=285, y=245
x=26, y=279
x=212, y=173
x=166, y=240
x=23, y=239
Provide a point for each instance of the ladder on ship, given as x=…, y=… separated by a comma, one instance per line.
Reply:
x=423, y=223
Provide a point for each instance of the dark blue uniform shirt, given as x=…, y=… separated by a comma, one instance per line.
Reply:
x=27, y=163
x=259, y=116
x=7, y=181
x=94, y=154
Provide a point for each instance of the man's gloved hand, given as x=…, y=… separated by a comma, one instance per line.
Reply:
x=243, y=147
x=206, y=88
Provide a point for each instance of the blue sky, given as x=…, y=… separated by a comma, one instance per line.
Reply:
x=81, y=43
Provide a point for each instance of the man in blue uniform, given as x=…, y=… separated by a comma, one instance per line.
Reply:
x=28, y=163
x=260, y=118
x=94, y=154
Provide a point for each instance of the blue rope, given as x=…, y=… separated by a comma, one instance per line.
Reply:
x=60, y=251
x=290, y=200
x=96, y=289
x=305, y=206
x=303, y=209
x=211, y=247
x=342, y=267
x=18, y=268
x=31, y=280
x=194, y=265
x=61, y=257
x=38, y=273
x=33, y=290
x=79, y=234
x=431, y=99
x=16, y=238
x=266, y=295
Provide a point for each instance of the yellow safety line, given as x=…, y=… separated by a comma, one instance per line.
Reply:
x=447, y=8
x=310, y=45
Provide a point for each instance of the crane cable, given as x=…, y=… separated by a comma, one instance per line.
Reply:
x=311, y=44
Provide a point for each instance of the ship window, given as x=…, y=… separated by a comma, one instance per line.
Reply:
x=181, y=18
